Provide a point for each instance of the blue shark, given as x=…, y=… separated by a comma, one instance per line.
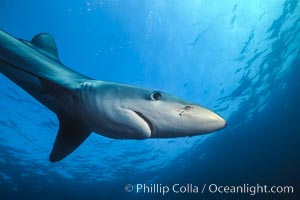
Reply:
x=84, y=105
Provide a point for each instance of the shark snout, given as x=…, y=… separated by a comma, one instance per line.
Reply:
x=217, y=120
x=201, y=119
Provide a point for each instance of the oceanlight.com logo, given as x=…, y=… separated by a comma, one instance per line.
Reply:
x=207, y=188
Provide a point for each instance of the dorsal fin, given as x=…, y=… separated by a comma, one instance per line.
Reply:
x=46, y=43
x=71, y=134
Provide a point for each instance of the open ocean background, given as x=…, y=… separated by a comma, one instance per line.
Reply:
x=238, y=58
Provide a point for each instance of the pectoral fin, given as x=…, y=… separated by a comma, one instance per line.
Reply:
x=71, y=134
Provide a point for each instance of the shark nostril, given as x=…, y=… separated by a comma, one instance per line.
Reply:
x=185, y=109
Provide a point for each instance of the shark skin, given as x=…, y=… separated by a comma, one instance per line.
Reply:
x=84, y=105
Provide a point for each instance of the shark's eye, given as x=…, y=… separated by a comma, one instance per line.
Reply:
x=156, y=96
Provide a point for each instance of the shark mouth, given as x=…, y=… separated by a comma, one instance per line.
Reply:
x=146, y=120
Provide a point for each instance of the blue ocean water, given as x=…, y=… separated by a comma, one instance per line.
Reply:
x=239, y=58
